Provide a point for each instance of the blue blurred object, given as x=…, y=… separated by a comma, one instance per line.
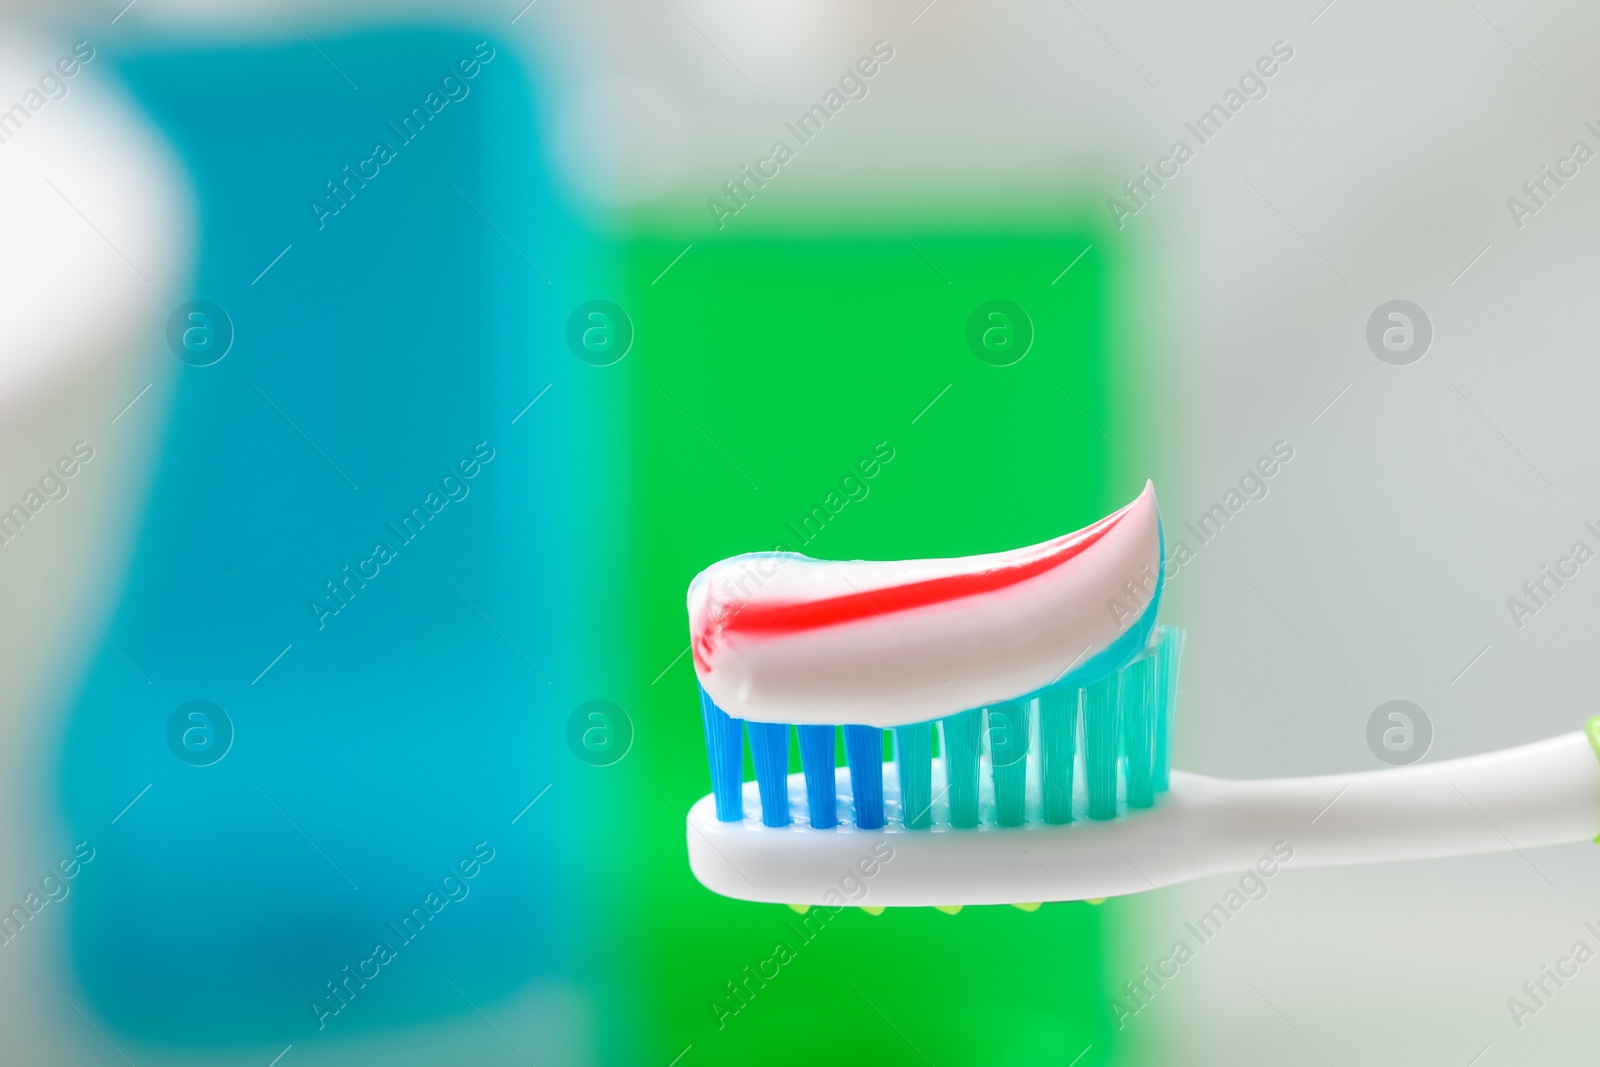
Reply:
x=348, y=549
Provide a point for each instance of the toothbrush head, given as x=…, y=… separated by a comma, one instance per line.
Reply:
x=845, y=653
x=998, y=816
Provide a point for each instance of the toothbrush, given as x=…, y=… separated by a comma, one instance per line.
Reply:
x=1052, y=694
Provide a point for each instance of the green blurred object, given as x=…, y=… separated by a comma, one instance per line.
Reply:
x=821, y=389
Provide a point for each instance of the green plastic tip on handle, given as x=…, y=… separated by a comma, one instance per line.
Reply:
x=1592, y=730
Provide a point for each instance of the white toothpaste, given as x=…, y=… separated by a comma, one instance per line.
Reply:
x=780, y=637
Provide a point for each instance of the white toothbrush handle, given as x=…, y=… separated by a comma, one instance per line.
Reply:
x=1540, y=794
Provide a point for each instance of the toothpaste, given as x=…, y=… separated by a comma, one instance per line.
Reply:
x=781, y=637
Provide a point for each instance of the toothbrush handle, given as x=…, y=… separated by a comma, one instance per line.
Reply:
x=1540, y=794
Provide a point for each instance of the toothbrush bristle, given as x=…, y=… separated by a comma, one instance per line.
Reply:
x=1138, y=699
x=817, y=761
x=1008, y=755
x=863, y=751
x=960, y=734
x=1102, y=744
x=725, y=748
x=913, y=756
x=1169, y=657
x=769, y=751
x=1058, y=736
x=1125, y=744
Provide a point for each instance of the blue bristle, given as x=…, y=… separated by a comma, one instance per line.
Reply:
x=1169, y=658
x=1058, y=737
x=1102, y=743
x=769, y=751
x=1008, y=755
x=1137, y=696
x=863, y=751
x=913, y=755
x=816, y=759
x=725, y=749
x=960, y=733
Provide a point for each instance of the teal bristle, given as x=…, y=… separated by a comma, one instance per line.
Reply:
x=1137, y=695
x=769, y=751
x=959, y=735
x=863, y=751
x=1169, y=658
x=816, y=760
x=913, y=755
x=1058, y=736
x=1008, y=755
x=1102, y=745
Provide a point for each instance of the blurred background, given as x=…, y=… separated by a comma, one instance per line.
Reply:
x=346, y=717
